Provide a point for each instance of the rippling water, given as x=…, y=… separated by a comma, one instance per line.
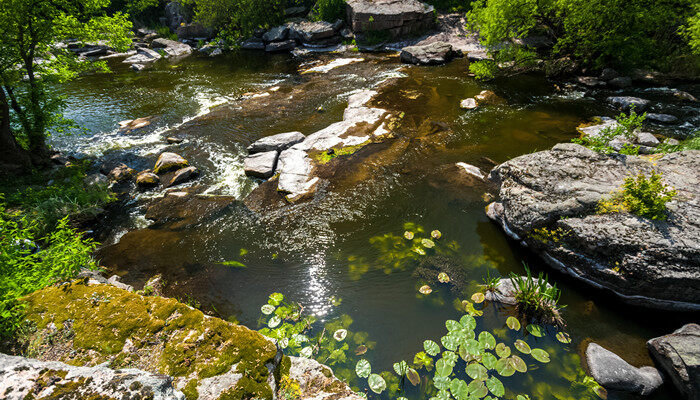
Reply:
x=329, y=248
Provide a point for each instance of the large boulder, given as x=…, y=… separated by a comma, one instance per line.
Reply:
x=549, y=202
x=276, y=34
x=121, y=173
x=27, y=378
x=275, y=47
x=193, y=31
x=311, y=32
x=612, y=372
x=168, y=162
x=627, y=102
x=429, y=54
x=143, y=56
x=182, y=175
x=261, y=165
x=171, y=47
x=147, y=179
x=174, y=15
x=279, y=142
x=396, y=17
x=679, y=355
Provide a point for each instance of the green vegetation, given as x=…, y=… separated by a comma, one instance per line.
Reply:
x=329, y=10
x=641, y=195
x=595, y=34
x=626, y=126
x=324, y=157
x=692, y=143
x=536, y=298
x=29, y=64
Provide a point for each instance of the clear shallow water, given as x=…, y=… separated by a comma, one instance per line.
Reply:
x=330, y=248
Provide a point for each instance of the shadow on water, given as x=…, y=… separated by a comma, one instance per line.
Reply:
x=331, y=248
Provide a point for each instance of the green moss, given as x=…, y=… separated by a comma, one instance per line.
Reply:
x=184, y=341
x=323, y=157
x=190, y=390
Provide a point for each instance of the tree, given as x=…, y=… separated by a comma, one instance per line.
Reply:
x=31, y=59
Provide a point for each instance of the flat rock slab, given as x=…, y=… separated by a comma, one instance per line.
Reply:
x=24, y=378
x=612, y=372
x=311, y=32
x=648, y=262
x=171, y=47
x=143, y=56
x=679, y=355
x=261, y=165
x=279, y=142
x=429, y=54
x=397, y=17
x=286, y=45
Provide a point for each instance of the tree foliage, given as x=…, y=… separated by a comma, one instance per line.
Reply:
x=235, y=18
x=30, y=60
x=597, y=33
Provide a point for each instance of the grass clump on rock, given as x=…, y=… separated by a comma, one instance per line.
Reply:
x=536, y=299
x=641, y=195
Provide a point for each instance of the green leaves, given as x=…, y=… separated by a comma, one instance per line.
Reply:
x=267, y=309
x=513, y=323
x=487, y=340
x=522, y=346
x=363, y=368
x=423, y=360
x=443, y=367
x=450, y=341
x=540, y=355
x=459, y=389
x=275, y=299
x=495, y=386
x=376, y=383
x=431, y=347
x=401, y=368
x=563, y=337
x=535, y=330
x=477, y=371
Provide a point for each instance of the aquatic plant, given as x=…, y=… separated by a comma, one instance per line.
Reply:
x=536, y=298
x=640, y=195
x=490, y=284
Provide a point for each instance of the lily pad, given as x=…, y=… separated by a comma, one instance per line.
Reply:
x=459, y=389
x=513, y=323
x=401, y=368
x=427, y=243
x=413, y=376
x=283, y=343
x=363, y=368
x=489, y=360
x=419, y=250
x=478, y=297
x=517, y=363
x=473, y=347
x=563, y=337
x=522, y=346
x=425, y=289
x=502, y=350
x=450, y=341
x=275, y=299
x=453, y=325
x=540, y=355
x=450, y=356
x=535, y=330
x=477, y=371
x=267, y=309
x=408, y=235
x=340, y=334
x=478, y=389
x=274, y=321
x=376, y=383
x=431, y=347
x=487, y=340
x=495, y=386
x=468, y=321
x=469, y=308
x=504, y=368
x=436, y=234
x=360, y=350
x=443, y=367
x=441, y=382
x=443, y=277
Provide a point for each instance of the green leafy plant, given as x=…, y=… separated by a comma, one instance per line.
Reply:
x=329, y=10
x=536, y=298
x=490, y=284
x=641, y=195
x=625, y=127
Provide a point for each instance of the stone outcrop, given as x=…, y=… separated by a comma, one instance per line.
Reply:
x=147, y=179
x=395, y=17
x=168, y=162
x=279, y=142
x=25, y=378
x=261, y=165
x=612, y=372
x=143, y=56
x=429, y=54
x=138, y=346
x=549, y=200
x=171, y=47
x=627, y=102
x=678, y=354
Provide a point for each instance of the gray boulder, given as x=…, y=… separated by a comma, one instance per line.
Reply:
x=143, y=56
x=662, y=118
x=609, y=74
x=647, y=139
x=468, y=104
x=168, y=162
x=647, y=262
x=171, y=47
x=429, y=54
x=679, y=355
x=287, y=45
x=396, y=17
x=253, y=44
x=590, y=81
x=183, y=175
x=24, y=378
x=261, y=165
x=174, y=15
x=621, y=82
x=279, y=142
x=276, y=34
x=626, y=102
x=612, y=372
x=311, y=32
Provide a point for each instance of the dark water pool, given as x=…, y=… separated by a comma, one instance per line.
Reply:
x=344, y=253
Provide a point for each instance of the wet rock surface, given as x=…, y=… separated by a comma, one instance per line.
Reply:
x=648, y=262
x=612, y=372
x=261, y=165
x=429, y=54
x=397, y=17
x=23, y=378
x=678, y=354
x=278, y=142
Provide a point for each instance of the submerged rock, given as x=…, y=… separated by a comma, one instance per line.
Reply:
x=279, y=142
x=183, y=175
x=429, y=54
x=468, y=104
x=253, y=44
x=169, y=161
x=679, y=355
x=121, y=173
x=24, y=378
x=612, y=372
x=286, y=45
x=261, y=165
x=549, y=199
x=147, y=179
x=662, y=118
x=626, y=103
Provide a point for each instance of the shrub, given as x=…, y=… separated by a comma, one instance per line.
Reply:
x=329, y=10
x=642, y=196
x=29, y=263
x=536, y=298
x=627, y=124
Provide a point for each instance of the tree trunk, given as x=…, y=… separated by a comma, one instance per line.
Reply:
x=13, y=158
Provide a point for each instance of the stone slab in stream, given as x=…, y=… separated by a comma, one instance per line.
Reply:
x=396, y=17
x=429, y=54
x=612, y=372
x=647, y=262
x=261, y=165
x=279, y=142
x=679, y=355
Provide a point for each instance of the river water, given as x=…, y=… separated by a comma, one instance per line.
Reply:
x=343, y=253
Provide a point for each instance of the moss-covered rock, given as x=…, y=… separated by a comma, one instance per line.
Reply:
x=101, y=323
